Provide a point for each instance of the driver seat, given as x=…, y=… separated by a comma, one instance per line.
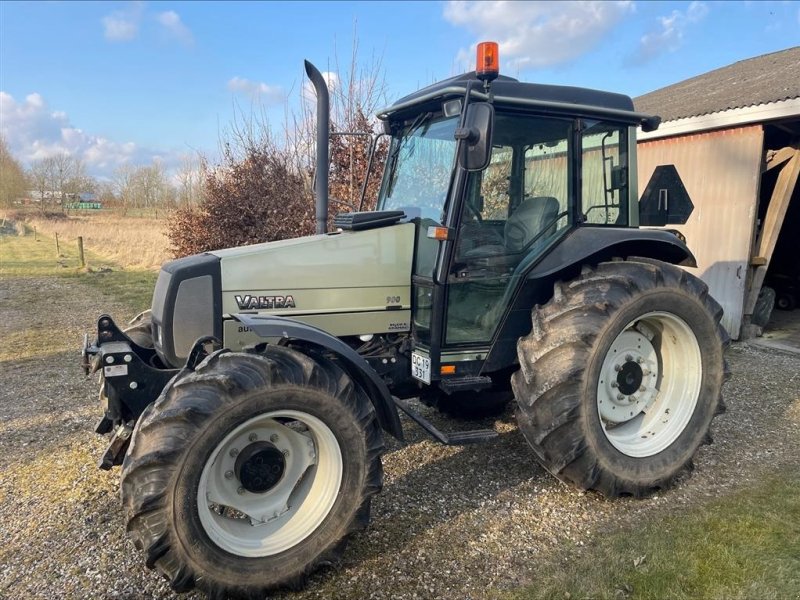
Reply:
x=531, y=216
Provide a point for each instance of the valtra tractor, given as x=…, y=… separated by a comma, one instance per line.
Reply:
x=504, y=263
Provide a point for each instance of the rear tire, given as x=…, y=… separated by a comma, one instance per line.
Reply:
x=309, y=445
x=621, y=375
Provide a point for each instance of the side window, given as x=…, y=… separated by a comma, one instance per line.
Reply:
x=604, y=175
x=495, y=185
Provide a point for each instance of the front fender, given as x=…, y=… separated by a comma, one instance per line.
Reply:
x=269, y=326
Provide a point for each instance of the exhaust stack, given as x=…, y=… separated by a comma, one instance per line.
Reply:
x=323, y=133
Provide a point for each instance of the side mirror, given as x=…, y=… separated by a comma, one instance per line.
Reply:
x=476, y=137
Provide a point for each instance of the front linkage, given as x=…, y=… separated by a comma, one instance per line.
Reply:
x=132, y=376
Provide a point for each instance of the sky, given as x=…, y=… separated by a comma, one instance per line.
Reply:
x=131, y=82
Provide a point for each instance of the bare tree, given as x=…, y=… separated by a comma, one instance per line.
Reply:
x=12, y=177
x=358, y=90
x=190, y=180
x=123, y=185
x=42, y=177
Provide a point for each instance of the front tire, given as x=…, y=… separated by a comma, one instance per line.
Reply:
x=249, y=473
x=621, y=375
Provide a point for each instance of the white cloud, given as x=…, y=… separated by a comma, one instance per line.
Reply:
x=256, y=89
x=33, y=132
x=171, y=22
x=668, y=36
x=123, y=25
x=536, y=34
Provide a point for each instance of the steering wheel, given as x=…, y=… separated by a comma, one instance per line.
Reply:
x=474, y=212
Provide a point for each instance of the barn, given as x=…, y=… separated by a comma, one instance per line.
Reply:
x=733, y=135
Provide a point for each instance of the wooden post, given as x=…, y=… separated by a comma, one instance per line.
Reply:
x=80, y=251
x=773, y=221
x=35, y=237
x=58, y=250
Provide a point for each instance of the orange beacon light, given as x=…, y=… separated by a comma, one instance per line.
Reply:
x=488, y=63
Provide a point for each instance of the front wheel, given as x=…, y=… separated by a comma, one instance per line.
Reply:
x=621, y=376
x=251, y=472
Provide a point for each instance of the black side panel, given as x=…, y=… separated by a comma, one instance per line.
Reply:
x=164, y=303
x=267, y=326
x=584, y=245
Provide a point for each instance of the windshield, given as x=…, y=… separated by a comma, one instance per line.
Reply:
x=419, y=166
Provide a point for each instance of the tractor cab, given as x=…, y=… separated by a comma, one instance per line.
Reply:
x=495, y=173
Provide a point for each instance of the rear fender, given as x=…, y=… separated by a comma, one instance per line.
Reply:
x=267, y=326
x=584, y=245
x=593, y=245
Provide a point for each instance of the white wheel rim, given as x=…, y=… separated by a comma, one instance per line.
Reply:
x=660, y=352
x=255, y=524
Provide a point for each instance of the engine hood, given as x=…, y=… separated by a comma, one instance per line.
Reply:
x=334, y=275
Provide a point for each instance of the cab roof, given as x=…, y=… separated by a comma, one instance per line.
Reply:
x=507, y=91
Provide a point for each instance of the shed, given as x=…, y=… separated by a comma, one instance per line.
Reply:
x=733, y=135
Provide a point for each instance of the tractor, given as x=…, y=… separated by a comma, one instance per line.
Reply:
x=504, y=263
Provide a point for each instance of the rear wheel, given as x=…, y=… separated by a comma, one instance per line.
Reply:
x=621, y=376
x=251, y=472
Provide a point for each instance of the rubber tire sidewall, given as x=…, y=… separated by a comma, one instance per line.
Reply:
x=663, y=465
x=203, y=554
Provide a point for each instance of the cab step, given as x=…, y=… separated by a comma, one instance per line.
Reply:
x=455, y=438
x=471, y=383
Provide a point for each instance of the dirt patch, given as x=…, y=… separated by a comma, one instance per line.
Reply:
x=450, y=523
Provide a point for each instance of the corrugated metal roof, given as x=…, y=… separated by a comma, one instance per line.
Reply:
x=760, y=80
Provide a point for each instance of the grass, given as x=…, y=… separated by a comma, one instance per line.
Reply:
x=26, y=256
x=129, y=241
x=29, y=257
x=746, y=545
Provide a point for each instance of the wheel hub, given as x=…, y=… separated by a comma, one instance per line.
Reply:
x=629, y=378
x=259, y=467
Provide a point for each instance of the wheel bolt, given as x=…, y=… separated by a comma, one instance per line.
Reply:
x=228, y=474
x=618, y=368
x=234, y=452
x=614, y=384
x=620, y=397
x=273, y=438
x=252, y=437
x=285, y=452
x=632, y=398
x=639, y=360
x=642, y=388
x=628, y=358
x=240, y=491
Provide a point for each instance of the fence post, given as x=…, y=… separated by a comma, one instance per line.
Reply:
x=35, y=237
x=80, y=251
x=58, y=250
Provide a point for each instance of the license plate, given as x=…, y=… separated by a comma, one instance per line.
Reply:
x=421, y=367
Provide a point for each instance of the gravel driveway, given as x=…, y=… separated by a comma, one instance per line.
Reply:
x=450, y=523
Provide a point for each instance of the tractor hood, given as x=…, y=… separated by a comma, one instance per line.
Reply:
x=347, y=283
